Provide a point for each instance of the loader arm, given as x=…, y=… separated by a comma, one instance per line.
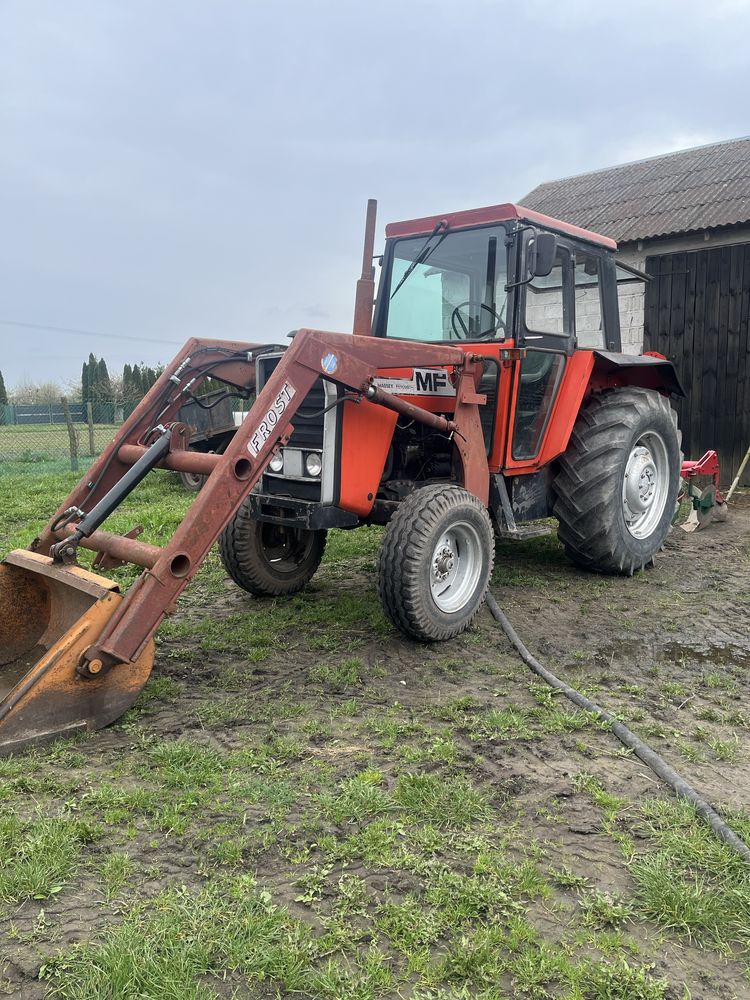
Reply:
x=351, y=361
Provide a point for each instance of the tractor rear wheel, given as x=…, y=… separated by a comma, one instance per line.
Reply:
x=269, y=560
x=617, y=484
x=435, y=562
x=193, y=481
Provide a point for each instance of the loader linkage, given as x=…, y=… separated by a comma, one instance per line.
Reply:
x=74, y=654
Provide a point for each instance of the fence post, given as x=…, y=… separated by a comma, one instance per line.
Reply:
x=90, y=420
x=71, y=435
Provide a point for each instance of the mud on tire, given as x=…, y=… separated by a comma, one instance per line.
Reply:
x=607, y=523
x=269, y=560
x=435, y=562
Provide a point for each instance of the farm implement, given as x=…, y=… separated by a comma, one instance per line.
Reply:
x=707, y=504
x=486, y=389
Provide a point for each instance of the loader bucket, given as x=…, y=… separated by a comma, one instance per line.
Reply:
x=49, y=614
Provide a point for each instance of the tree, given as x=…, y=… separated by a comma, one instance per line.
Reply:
x=3, y=393
x=149, y=376
x=137, y=382
x=103, y=385
x=89, y=379
x=37, y=392
x=85, y=387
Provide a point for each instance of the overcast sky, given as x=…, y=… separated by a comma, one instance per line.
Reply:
x=180, y=168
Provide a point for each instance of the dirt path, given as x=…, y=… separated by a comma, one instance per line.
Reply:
x=309, y=745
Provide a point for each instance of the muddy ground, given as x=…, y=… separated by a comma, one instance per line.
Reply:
x=318, y=691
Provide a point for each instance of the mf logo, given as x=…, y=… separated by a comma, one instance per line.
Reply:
x=424, y=382
x=434, y=383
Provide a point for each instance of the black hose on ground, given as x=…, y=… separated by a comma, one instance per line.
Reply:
x=649, y=757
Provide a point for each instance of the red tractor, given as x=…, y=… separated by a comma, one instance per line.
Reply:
x=486, y=389
x=567, y=425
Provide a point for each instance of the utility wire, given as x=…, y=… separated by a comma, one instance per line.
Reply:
x=86, y=333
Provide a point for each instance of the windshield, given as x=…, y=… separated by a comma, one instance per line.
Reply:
x=457, y=292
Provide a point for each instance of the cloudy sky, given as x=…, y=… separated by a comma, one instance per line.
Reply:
x=179, y=168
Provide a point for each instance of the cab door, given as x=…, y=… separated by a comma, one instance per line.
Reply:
x=545, y=325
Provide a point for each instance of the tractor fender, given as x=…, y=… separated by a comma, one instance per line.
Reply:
x=651, y=371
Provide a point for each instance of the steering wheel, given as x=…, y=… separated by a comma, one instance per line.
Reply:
x=463, y=334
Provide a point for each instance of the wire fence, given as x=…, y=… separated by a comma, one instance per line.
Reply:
x=54, y=437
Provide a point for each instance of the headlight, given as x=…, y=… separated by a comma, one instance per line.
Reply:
x=277, y=463
x=313, y=464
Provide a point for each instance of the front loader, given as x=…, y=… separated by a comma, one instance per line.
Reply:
x=488, y=389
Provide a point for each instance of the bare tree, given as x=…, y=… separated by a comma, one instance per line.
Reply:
x=36, y=392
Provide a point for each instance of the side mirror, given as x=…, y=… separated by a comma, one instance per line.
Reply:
x=540, y=254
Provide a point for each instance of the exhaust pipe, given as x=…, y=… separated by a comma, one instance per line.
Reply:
x=364, y=298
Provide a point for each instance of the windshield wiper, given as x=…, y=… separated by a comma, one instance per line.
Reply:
x=424, y=253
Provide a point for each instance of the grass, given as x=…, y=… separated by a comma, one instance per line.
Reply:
x=39, y=856
x=299, y=804
x=691, y=882
x=444, y=801
x=233, y=931
x=165, y=953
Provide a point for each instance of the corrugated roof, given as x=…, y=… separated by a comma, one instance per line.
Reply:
x=680, y=192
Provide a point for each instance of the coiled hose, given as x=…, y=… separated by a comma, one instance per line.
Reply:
x=628, y=738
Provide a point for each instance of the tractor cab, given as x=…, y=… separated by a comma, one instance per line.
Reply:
x=499, y=274
x=524, y=290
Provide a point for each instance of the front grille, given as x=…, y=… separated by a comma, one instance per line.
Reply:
x=314, y=430
x=308, y=433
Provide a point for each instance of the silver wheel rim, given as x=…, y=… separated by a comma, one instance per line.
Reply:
x=455, y=567
x=645, y=486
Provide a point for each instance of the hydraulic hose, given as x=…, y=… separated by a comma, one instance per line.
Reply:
x=626, y=736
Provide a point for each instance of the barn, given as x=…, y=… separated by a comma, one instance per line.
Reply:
x=684, y=219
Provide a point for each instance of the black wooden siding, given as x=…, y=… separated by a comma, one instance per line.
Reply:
x=696, y=313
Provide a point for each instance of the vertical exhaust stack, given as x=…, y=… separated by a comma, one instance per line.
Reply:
x=365, y=294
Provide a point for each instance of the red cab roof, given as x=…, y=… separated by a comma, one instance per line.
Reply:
x=494, y=213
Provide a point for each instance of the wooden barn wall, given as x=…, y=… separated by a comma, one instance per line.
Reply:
x=697, y=306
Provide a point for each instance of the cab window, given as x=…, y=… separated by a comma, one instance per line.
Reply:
x=588, y=296
x=450, y=286
x=547, y=309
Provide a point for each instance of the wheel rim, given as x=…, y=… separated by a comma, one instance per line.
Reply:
x=455, y=567
x=285, y=548
x=645, y=486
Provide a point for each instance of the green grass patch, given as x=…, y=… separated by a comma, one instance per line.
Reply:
x=691, y=882
x=433, y=798
x=38, y=857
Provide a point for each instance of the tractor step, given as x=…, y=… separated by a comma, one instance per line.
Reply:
x=505, y=521
x=522, y=532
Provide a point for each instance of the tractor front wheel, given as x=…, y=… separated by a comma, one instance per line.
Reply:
x=435, y=562
x=617, y=485
x=269, y=560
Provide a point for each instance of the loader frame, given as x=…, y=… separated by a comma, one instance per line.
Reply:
x=351, y=361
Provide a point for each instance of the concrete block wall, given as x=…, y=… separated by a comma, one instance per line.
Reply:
x=631, y=296
x=589, y=317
